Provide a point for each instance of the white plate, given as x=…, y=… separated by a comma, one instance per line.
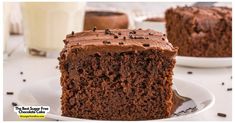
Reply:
x=158, y=26
x=47, y=93
x=204, y=62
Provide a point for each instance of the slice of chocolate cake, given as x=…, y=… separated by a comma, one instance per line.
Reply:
x=117, y=75
x=200, y=31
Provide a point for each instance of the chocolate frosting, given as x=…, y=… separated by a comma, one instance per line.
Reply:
x=118, y=40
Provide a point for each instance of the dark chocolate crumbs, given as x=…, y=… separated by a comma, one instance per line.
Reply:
x=229, y=89
x=10, y=93
x=150, y=33
x=106, y=42
x=146, y=37
x=164, y=34
x=119, y=33
x=124, y=38
x=221, y=114
x=21, y=73
x=14, y=104
x=140, y=29
x=57, y=67
x=94, y=29
x=134, y=32
x=24, y=80
x=163, y=39
x=190, y=72
x=222, y=83
x=121, y=43
x=146, y=45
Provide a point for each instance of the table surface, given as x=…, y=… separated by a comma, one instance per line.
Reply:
x=36, y=68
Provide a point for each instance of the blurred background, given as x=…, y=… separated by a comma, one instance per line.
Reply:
x=44, y=25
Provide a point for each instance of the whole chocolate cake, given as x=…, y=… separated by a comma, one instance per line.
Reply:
x=200, y=31
x=117, y=75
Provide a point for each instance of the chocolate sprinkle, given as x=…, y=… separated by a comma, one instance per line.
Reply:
x=222, y=83
x=146, y=45
x=221, y=114
x=24, y=80
x=131, y=36
x=124, y=38
x=107, y=31
x=229, y=89
x=14, y=104
x=163, y=39
x=21, y=73
x=65, y=41
x=10, y=93
x=121, y=43
x=115, y=36
x=106, y=42
x=94, y=29
x=72, y=33
x=190, y=72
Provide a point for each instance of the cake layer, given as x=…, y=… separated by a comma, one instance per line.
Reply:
x=200, y=31
x=108, y=77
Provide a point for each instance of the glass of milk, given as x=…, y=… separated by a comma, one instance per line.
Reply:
x=47, y=23
x=6, y=23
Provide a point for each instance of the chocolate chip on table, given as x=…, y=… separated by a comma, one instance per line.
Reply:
x=10, y=93
x=14, y=104
x=21, y=73
x=106, y=42
x=24, y=80
x=190, y=72
x=94, y=29
x=221, y=114
x=146, y=45
x=229, y=89
x=222, y=83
